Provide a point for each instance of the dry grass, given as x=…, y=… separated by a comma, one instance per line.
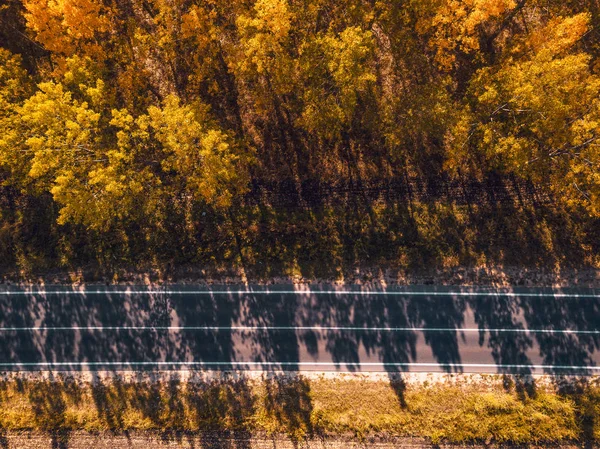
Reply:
x=301, y=408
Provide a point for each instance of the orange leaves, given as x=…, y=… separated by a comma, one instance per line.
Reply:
x=560, y=34
x=63, y=26
x=457, y=24
x=82, y=18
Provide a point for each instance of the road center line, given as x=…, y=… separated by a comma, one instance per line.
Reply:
x=301, y=292
x=296, y=328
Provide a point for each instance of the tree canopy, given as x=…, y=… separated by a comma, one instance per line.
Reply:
x=129, y=111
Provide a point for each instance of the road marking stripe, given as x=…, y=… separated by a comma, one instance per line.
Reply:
x=294, y=328
x=248, y=364
x=301, y=292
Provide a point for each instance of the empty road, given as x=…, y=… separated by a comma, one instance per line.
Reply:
x=424, y=329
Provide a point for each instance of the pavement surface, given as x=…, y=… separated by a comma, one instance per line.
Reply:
x=317, y=328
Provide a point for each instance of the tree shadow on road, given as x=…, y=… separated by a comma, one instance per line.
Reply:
x=287, y=330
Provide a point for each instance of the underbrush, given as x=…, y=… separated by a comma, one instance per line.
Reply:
x=330, y=242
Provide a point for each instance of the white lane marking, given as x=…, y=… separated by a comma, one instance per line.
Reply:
x=299, y=364
x=295, y=328
x=301, y=292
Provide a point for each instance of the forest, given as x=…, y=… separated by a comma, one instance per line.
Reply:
x=298, y=137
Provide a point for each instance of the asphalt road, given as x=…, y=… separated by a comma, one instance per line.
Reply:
x=322, y=329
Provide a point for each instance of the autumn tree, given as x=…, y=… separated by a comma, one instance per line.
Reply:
x=537, y=115
x=146, y=115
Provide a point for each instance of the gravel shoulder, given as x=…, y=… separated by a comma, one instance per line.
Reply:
x=488, y=275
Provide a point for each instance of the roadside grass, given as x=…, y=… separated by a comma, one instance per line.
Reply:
x=445, y=413
x=300, y=408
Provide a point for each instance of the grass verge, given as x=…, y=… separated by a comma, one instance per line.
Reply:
x=497, y=410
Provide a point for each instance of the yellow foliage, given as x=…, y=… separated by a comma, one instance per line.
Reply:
x=143, y=101
x=347, y=58
x=60, y=150
x=263, y=36
x=456, y=26
x=14, y=81
x=60, y=128
x=205, y=158
x=560, y=34
x=540, y=117
x=62, y=26
x=15, y=85
x=272, y=16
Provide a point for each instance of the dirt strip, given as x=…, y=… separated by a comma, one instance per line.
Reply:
x=149, y=440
